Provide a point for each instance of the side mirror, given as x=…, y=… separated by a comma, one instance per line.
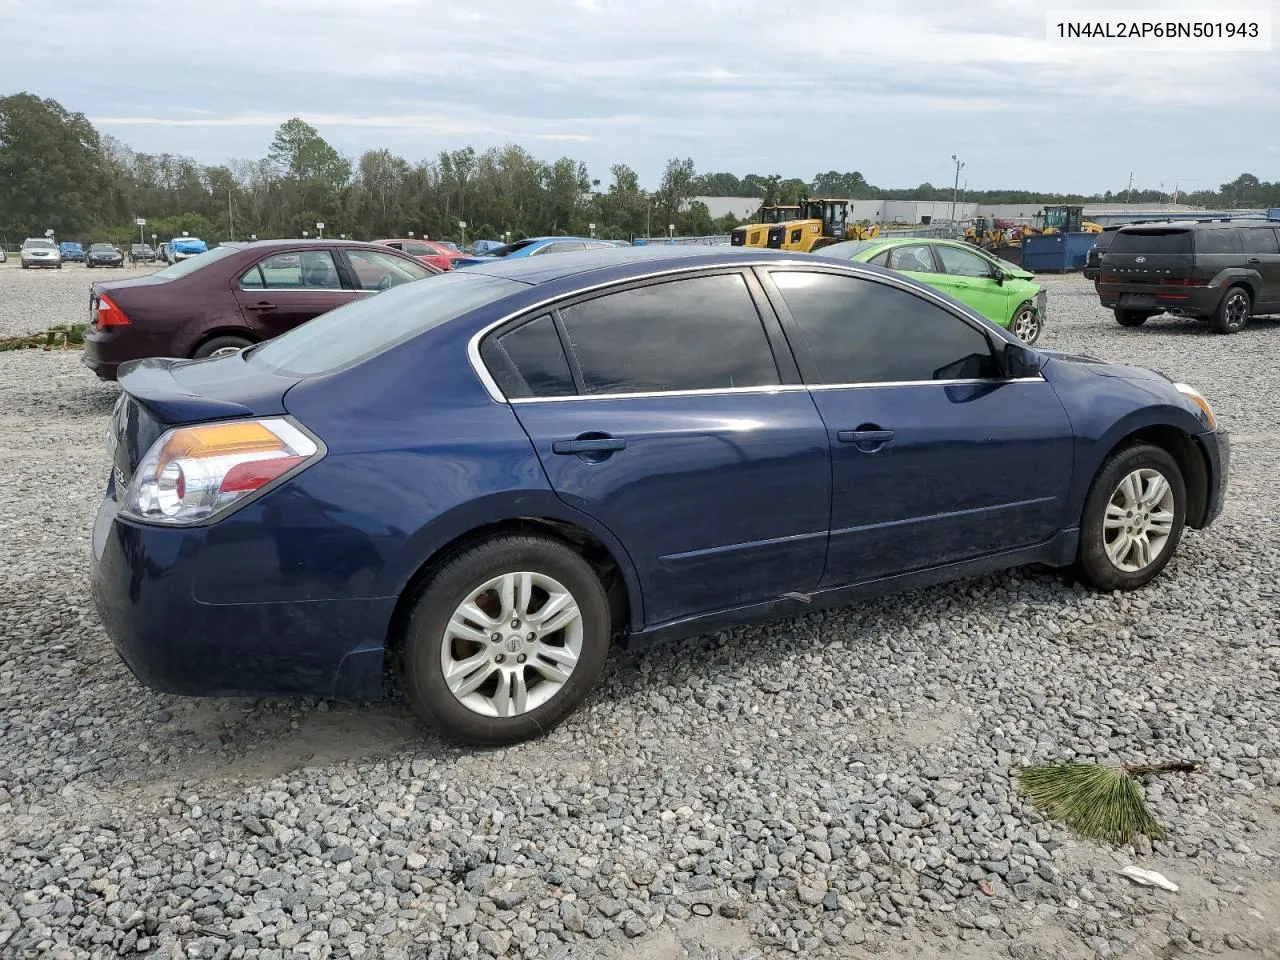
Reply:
x=999, y=277
x=1018, y=360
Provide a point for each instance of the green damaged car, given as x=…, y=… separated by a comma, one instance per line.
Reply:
x=1000, y=291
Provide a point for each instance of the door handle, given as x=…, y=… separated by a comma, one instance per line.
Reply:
x=868, y=441
x=1254, y=260
x=262, y=307
x=598, y=445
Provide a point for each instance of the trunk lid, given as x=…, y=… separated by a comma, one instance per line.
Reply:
x=1148, y=257
x=159, y=393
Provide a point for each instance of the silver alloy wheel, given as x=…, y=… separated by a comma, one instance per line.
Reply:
x=1026, y=324
x=512, y=644
x=1138, y=520
x=1236, y=310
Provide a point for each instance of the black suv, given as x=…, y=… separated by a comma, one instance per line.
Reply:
x=1223, y=271
x=141, y=253
x=1094, y=258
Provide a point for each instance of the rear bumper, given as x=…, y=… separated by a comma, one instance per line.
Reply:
x=143, y=587
x=1192, y=301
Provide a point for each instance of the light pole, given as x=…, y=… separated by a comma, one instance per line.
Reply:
x=671, y=233
x=955, y=191
x=592, y=228
x=462, y=225
x=320, y=227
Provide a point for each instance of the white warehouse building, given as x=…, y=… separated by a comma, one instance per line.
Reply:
x=912, y=212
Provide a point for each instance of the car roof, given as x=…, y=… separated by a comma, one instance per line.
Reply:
x=296, y=241
x=629, y=261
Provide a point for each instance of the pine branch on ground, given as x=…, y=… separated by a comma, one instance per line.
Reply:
x=59, y=337
x=1098, y=802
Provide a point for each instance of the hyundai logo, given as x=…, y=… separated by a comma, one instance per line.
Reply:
x=1140, y=260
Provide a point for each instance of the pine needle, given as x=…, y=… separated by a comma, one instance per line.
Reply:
x=1098, y=802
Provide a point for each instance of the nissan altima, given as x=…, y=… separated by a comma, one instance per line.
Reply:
x=484, y=478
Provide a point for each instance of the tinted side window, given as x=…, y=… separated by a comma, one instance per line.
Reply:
x=1259, y=240
x=861, y=331
x=962, y=263
x=310, y=269
x=880, y=259
x=916, y=258
x=529, y=361
x=379, y=271
x=702, y=333
x=1216, y=241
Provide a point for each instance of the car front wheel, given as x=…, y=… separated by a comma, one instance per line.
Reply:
x=506, y=640
x=1026, y=324
x=1133, y=518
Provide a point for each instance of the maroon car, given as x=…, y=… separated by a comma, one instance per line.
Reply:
x=235, y=295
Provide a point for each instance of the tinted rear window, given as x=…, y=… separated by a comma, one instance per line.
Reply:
x=366, y=327
x=1152, y=242
x=1104, y=240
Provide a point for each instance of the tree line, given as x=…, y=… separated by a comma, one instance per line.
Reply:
x=58, y=172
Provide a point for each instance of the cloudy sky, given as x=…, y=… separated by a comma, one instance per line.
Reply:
x=767, y=86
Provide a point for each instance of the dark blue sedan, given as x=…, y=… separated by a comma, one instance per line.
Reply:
x=484, y=478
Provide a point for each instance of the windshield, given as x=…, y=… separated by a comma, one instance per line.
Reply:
x=1152, y=242
x=847, y=249
x=39, y=245
x=359, y=330
x=183, y=267
x=101, y=246
x=185, y=241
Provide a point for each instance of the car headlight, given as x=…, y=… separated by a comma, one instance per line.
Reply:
x=1198, y=399
x=192, y=473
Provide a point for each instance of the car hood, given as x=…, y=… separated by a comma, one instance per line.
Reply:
x=1104, y=368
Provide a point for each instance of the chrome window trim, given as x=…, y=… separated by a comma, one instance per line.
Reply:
x=783, y=388
x=837, y=267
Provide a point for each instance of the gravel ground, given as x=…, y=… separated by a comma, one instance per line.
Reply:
x=832, y=786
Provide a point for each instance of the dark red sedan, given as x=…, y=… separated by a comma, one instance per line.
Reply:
x=235, y=295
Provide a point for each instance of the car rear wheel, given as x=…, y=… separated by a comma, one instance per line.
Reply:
x=1133, y=518
x=220, y=346
x=1132, y=318
x=1026, y=324
x=506, y=640
x=1233, y=312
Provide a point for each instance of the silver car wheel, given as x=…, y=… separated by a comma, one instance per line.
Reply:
x=512, y=644
x=1138, y=520
x=1026, y=324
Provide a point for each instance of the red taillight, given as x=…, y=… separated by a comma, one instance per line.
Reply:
x=247, y=477
x=110, y=315
x=1108, y=278
x=1182, y=282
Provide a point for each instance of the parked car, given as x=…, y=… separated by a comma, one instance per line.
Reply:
x=71, y=251
x=163, y=253
x=1002, y=292
x=104, y=255
x=39, y=252
x=482, y=247
x=233, y=296
x=1223, y=271
x=536, y=247
x=141, y=253
x=4, y=257
x=484, y=478
x=428, y=251
x=180, y=248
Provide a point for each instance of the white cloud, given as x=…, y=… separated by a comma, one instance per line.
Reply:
x=736, y=84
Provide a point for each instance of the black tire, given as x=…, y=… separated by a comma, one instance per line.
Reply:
x=1233, y=311
x=467, y=571
x=210, y=347
x=1093, y=564
x=1132, y=318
